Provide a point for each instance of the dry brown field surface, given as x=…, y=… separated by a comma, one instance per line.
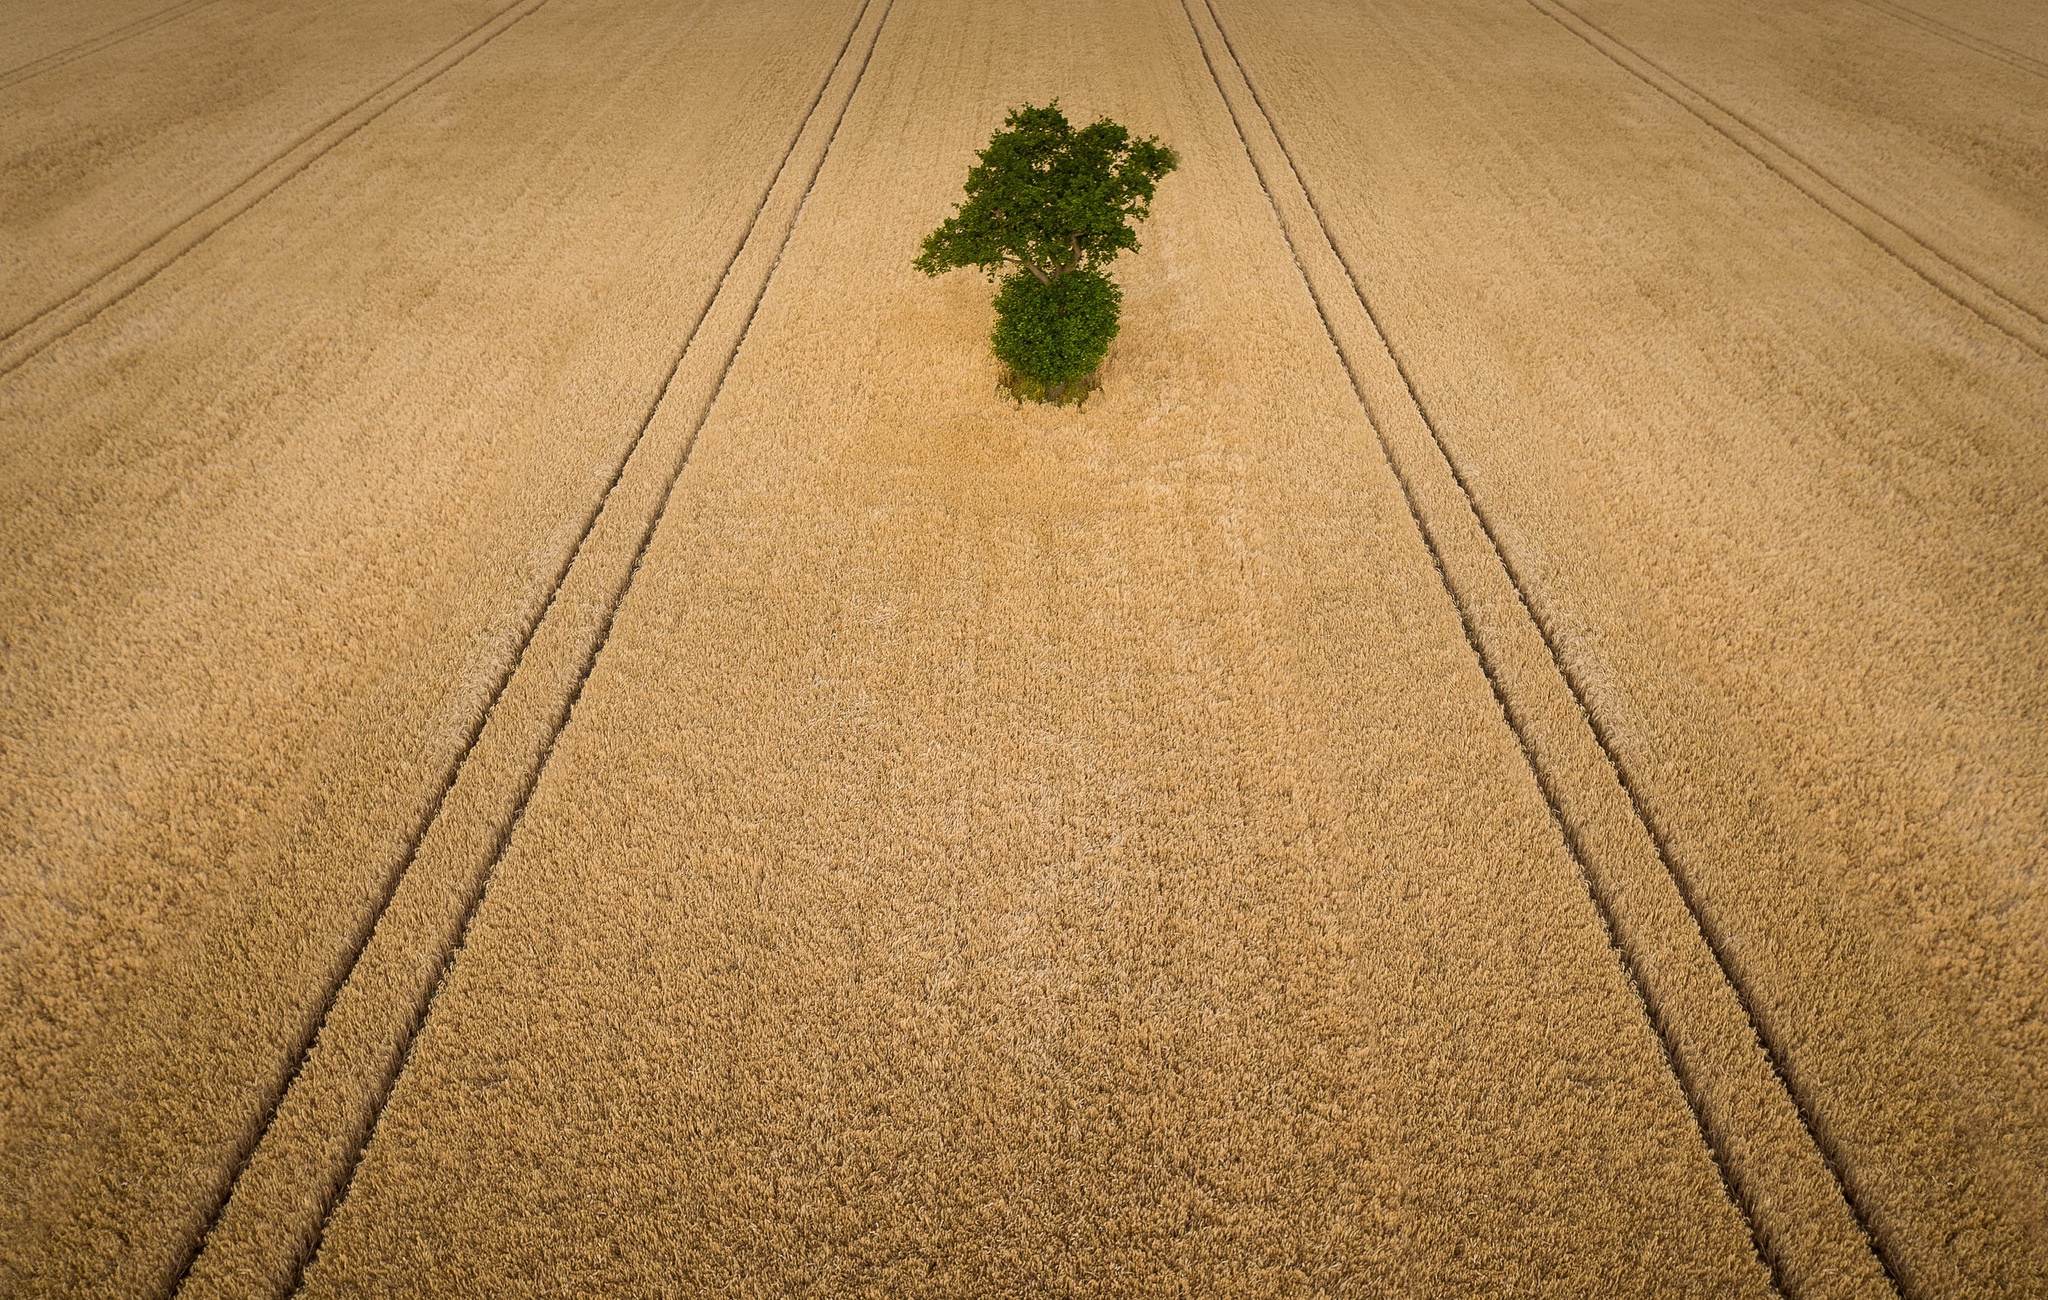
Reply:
x=558, y=736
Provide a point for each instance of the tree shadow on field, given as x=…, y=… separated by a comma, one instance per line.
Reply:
x=1075, y=392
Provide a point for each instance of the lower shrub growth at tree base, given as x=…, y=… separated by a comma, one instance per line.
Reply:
x=1053, y=334
x=1023, y=388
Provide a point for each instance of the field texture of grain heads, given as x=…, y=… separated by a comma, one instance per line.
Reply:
x=1789, y=539
x=559, y=735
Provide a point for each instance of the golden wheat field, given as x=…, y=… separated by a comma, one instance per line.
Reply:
x=558, y=734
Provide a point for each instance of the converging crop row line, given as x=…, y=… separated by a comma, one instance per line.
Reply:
x=1617, y=935
x=309, y=1034
x=1472, y=638
x=452, y=945
x=1956, y=36
x=2023, y=324
x=92, y=45
x=114, y=283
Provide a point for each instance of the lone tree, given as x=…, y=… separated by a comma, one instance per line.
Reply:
x=1048, y=209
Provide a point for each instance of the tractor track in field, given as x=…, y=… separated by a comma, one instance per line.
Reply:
x=1617, y=935
x=1602, y=905
x=1957, y=36
x=1543, y=1111
x=503, y=835
x=92, y=45
x=2023, y=324
x=110, y=286
x=310, y=1035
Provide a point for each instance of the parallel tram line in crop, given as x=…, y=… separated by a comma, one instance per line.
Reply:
x=503, y=834
x=92, y=45
x=2023, y=324
x=84, y=305
x=1954, y=35
x=566, y=711
x=310, y=1034
x=1602, y=905
x=1687, y=891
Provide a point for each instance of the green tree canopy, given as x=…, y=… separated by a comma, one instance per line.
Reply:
x=1050, y=199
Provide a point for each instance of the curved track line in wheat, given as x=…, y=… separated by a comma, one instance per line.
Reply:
x=567, y=710
x=112, y=285
x=310, y=1034
x=92, y=45
x=1716, y=942
x=2018, y=321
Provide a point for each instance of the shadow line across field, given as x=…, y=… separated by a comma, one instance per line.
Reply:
x=1693, y=1049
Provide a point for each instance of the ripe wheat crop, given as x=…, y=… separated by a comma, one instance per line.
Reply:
x=557, y=732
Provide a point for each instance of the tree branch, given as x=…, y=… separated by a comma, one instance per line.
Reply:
x=1032, y=267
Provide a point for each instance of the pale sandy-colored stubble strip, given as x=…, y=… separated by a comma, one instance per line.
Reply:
x=52, y=320
x=2022, y=321
x=270, y=1226
x=1015, y=851
x=1946, y=145
x=1786, y=1185
x=285, y=516
x=79, y=18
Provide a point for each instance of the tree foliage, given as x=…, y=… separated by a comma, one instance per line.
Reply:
x=1055, y=332
x=1048, y=200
